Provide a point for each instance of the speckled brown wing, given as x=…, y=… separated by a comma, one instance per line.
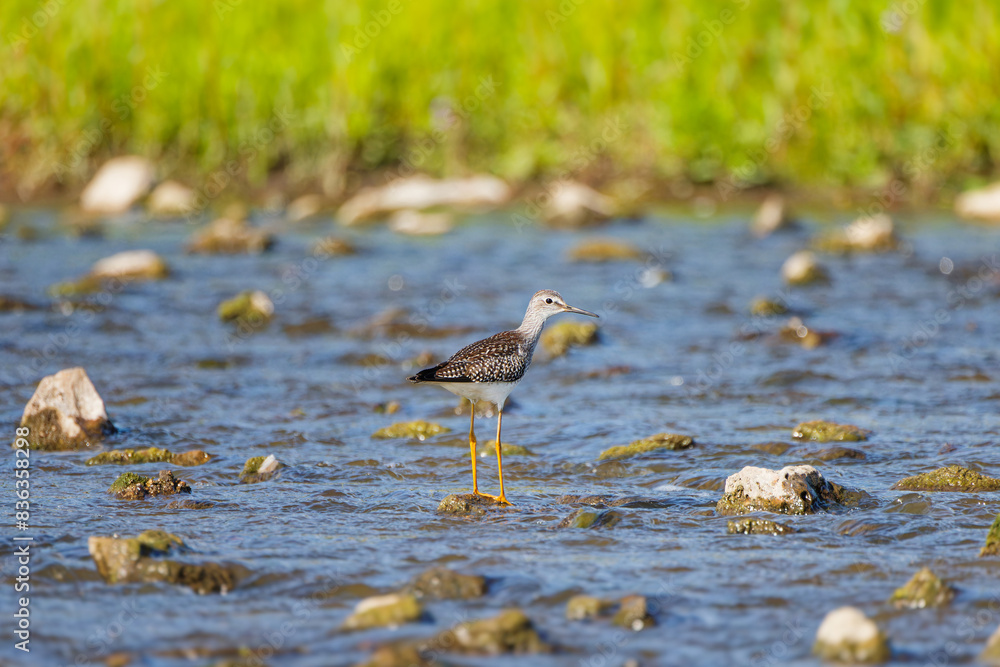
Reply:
x=502, y=357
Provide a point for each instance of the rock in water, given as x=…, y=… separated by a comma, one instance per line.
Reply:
x=772, y=216
x=654, y=443
x=171, y=198
x=573, y=204
x=130, y=486
x=132, y=265
x=418, y=223
x=583, y=607
x=633, y=613
x=992, y=547
x=950, y=478
x=757, y=527
x=824, y=431
x=305, y=206
x=599, y=250
x=991, y=654
x=260, y=469
x=924, y=589
x=384, y=611
x=469, y=504
x=560, y=337
x=118, y=184
x=440, y=583
x=252, y=307
x=65, y=412
x=417, y=430
x=228, y=236
x=510, y=632
x=847, y=635
x=803, y=268
x=981, y=204
x=421, y=192
x=791, y=490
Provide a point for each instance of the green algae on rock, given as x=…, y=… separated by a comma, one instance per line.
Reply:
x=416, y=430
x=509, y=632
x=130, y=486
x=605, y=250
x=658, y=442
x=633, y=613
x=560, y=337
x=259, y=469
x=824, y=431
x=992, y=547
x=248, y=306
x=949, y=478
x=469, y=504
x=924, y=589
x=764, y=307
x=195, y=457
x=441, y=583
x=748, y=526
x=384, y=611
x=846, y=635
x=228, y=236
x=584, y=607
x=130, y=456
x=588, y=518
x=791, y=490
x=489, y=448
x=65, y=413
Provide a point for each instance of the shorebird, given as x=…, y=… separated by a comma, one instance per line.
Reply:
x=489, y=369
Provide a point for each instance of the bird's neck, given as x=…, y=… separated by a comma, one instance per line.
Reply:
x=531, y=326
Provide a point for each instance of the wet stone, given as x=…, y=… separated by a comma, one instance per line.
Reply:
x=195, y=457
x=469, y=504
x=749, y=526
x=992, y=547
x=774, y=448
x=259, y=469
x=791, y=490
x=509, y=632
x=249, y=306
x=835, y=453
x=824, y=431
x=489, y=448
x=384, y=611
x=65, y=412
x=130, y=486
x=440, y=583
x=633, y=613
x=584, y=607
x=950, y=478
x=924, y=589
x=654, y=443
x=130, y=456
x=416, y=430
x=846, y=635
x=606, y=501
x=230, y=236
x=588, y=518
x=560, y=337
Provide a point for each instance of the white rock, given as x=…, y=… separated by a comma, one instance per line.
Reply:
x=118, y=184
x=785, y=484
x=131, y=264
x=573, y=204
x=421, y=192
x=171, y=198
x=79, y=410
x=771, y=216
x=847, y=635
x=981, y=204
x=304, y=207
x=416, y=223
x=270, y=464
x=802, y=268
x=871, y=233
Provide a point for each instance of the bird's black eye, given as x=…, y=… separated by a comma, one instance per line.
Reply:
x=549, y=300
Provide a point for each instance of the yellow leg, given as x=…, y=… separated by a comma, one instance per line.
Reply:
x=502, y=498
x=472, y=446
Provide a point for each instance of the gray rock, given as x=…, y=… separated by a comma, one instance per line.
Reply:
x=65, y=412
x=171, y=198
x=422, y=192
x=119, y=183
x=803, y=268
x=573, y=204
x=791, y=490
x=772, y=216
x=847, y=635
x=980, y=204
x=131, y=265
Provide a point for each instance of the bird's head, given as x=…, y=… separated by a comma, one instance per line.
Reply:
x=549, y=302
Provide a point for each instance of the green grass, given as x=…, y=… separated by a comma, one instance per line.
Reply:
x=197, y=85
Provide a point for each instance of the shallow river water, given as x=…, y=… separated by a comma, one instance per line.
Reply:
x=916, y=361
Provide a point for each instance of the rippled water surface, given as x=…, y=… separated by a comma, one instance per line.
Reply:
x=352, y=516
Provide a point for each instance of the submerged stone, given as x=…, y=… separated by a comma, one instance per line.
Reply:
x=249, y=306
x=130, y=456
x=583, y=607
x=441, y=583
x=633, y=613
x=924, y=589
x=65, y=412
x=772, y=216
x=332, y=246
x=803, y=268
x=130, y=486
x=259, y=469
x=560, y=337
x=950, y=478
x=509, y=632
x=131, y=265
x=469, y=504
x=384, y=611
x=418, y=430
x=195, y=457
x=605, y=250
x=587, y=518
x=764, y=307
x=824, y=431
x=846, y=635
x=230, y=236
x=660, y=441
x=604, y=501
x=749, y=526
x=572, y=204
x=866, y=234
x=992, y=547
x=489, y=448
x=791, y=490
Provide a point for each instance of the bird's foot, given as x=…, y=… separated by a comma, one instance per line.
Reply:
x=500, y=500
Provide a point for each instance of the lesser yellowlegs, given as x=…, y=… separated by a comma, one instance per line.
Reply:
x=488, y=370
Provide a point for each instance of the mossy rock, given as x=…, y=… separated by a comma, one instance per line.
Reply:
x=585, y=607
x=332, y=246
x=259, y=469
x=76, y=288
x=384, y=611
x=748, y=526
x=950, y=478
x=588, y=518
x=130, y=456
x=510, y=632
x=247, y=306
x=48, y=432
x=230, y=235
x=924, y=589
x=195, y=457
x=791, y=490
x=130, y=486
x=489, y=448
x=415, y=430
x=605, y=250
x=763, y=307
x=158, y=542
x=846, y=635
x=603, y=501
x=824, y=431
x=560, y=337
x=441, y=583
x=470, y=504
x=992, y=547
x=654, y=443
x=633, y=613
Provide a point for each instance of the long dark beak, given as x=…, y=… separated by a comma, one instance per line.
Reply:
x=579, y=311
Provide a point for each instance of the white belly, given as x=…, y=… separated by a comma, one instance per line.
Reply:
x=494, y=392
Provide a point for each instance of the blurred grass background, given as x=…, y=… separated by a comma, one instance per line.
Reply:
x=816, y=93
